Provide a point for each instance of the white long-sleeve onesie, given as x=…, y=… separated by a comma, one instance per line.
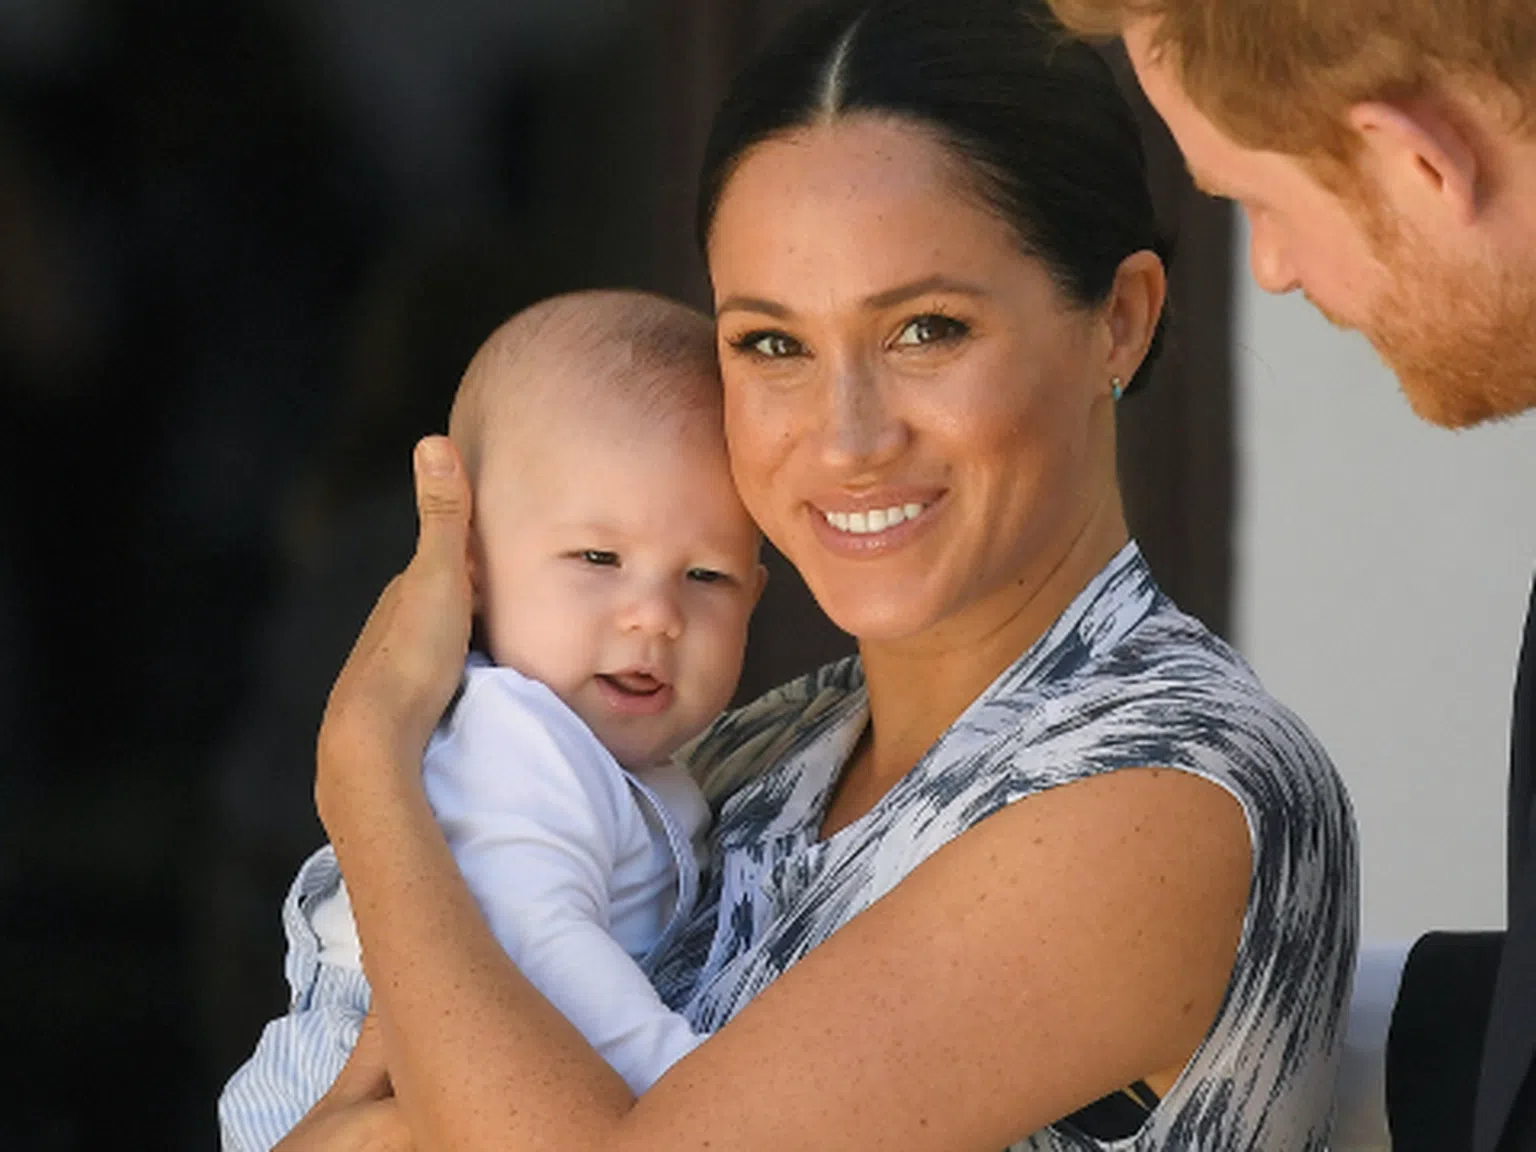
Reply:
x=583, y=870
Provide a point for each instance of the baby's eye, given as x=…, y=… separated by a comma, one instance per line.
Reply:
x=706, y=576
x=769, y=345
x=601, y=557
x=931, y=328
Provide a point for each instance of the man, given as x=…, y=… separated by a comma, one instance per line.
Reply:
x=1385, y=153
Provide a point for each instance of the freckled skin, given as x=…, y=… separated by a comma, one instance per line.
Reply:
x=1013, y=424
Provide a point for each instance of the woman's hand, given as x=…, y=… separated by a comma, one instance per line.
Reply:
x=359, y=1113
x=404, y=668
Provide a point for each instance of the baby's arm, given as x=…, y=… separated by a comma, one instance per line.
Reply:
x=299, y=1055
x=537, y=814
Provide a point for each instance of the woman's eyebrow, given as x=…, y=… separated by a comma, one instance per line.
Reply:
x=937, y=283
x=752, y=304
x=879, y=300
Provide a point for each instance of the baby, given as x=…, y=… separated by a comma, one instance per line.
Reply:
x=615, y=571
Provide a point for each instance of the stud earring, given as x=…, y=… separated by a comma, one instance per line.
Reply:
x=1116, y=387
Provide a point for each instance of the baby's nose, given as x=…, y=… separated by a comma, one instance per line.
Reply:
x=654, y=612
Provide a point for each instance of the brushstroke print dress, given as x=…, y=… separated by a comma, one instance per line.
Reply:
x=1122, y=680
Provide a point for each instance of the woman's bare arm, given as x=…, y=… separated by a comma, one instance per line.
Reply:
x=1073, y=943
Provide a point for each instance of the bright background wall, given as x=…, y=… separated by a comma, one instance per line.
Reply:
x=1382, y=574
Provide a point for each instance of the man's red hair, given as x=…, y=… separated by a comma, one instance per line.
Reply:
x=1281, y=74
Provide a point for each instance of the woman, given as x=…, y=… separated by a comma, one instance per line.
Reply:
x=1044, y=866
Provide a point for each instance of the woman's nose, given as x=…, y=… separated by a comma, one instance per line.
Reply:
x=861, y=428
x=653, y=610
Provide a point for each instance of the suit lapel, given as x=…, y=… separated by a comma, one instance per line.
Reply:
x=1511, y=1037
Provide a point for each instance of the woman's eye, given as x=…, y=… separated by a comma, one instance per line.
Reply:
x=932, y=328
x=706, y=576
x=769, y=345
x=601, y=557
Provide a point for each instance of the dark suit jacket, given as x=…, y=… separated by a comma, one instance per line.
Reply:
x=1459, y=1056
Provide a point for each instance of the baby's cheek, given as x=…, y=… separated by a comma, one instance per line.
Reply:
x=726, y=656
x=543, y=645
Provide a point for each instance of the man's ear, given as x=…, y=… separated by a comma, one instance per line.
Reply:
x=1417, y=149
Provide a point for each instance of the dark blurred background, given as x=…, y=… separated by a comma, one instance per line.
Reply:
x=246, y=248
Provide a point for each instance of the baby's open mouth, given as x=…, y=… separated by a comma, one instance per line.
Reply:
x=635, y=692
x=633, y=683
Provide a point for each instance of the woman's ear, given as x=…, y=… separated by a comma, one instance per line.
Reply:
x=1134, y=308
x=1420, y=156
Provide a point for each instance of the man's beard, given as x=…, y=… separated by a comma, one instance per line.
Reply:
x=1460, y=337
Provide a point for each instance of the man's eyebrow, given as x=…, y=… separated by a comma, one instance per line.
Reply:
x=885, y=299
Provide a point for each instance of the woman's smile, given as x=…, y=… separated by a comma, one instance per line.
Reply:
x=874, y=521
x=873, y=525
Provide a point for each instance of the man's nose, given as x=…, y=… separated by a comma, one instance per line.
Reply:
x=1271, y=264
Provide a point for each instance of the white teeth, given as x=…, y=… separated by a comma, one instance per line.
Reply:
x=875, y=520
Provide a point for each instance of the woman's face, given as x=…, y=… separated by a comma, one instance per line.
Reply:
x=918, y=418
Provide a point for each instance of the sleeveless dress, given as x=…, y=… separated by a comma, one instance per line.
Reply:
x=1122, y=680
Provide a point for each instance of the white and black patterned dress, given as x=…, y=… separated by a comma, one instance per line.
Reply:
x=1122, y=680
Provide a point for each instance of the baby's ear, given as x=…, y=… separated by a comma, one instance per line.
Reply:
x=476, y=574
x=761, y=577
x=479, y=638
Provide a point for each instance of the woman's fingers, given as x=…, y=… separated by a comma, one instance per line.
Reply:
x=365, y=1076
x=442, y=502
x=368, y=1126
x=359, y=1113
x=429, y=631
x=407, y=661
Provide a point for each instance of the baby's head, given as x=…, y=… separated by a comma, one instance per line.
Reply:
x=612, y=559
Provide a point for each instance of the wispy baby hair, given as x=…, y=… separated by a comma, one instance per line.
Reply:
x=631, y=353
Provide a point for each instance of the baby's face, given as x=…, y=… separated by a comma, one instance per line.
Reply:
x=618, y=566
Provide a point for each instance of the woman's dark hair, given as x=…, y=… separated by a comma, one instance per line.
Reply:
x=1036, y=116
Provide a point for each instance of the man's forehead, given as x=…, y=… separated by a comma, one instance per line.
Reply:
x=1151, y=60
x=1203, y=145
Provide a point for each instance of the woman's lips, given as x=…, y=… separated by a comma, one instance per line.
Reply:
x=873, y=526
x=875, y=520
x=635, y=693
